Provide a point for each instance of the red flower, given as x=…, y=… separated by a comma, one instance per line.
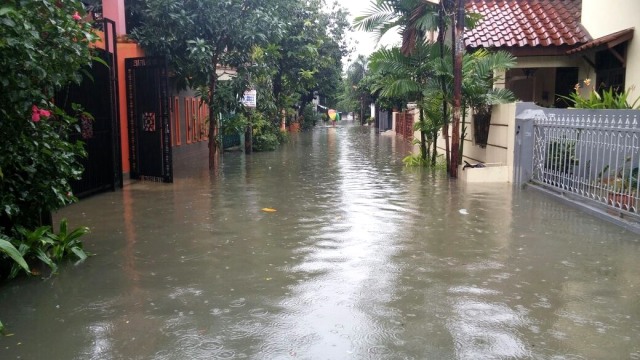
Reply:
x=76, y=16
x=36, y=113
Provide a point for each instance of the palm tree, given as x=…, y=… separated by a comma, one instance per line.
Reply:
x=412, y=18
x=479, y=95
x=411, y=76
x=356, y=73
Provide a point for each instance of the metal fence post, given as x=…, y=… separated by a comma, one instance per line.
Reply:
x=523, y=152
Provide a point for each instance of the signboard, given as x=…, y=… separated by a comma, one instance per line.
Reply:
x=249, y=98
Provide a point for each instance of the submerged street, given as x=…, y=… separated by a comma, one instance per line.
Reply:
x=363, y=258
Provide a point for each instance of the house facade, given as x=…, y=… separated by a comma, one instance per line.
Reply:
x=606, y=20
x=559, y=43
x=144, y=127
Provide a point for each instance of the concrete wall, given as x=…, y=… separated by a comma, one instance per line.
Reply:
x=499, y=149
x=602, y=18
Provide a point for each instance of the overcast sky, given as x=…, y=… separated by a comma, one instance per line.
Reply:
x=366, y=41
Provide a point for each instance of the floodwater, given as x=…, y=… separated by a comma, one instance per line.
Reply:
x=363, y=259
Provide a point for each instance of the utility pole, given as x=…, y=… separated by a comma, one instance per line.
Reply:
x=457, y=87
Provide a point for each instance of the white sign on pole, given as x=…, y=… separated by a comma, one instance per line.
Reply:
x=249, y=98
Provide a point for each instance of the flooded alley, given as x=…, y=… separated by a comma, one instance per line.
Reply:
x=363, y=258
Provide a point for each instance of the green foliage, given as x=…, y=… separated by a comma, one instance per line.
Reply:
x=44, y=46
x=622, y=179
x=561, y=156
x=479, y=69
x=357, y=88
x=410, y=18
x=417, y=160
x=309, y=117
x=48, y=247
x=305, y=58
x=265, y=142
x=8, y=249
x=265, y=133
x=38, y=167
x=609, y=99
x=234, y=124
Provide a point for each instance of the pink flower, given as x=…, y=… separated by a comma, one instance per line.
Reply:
x=76, y=16
x=35, y=114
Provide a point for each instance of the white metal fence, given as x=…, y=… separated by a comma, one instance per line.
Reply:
x=594, y=155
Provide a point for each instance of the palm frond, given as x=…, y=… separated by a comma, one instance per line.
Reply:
x=377, y=15
x=400, y=87
x=499, y=96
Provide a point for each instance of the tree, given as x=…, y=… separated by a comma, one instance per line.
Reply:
x=411, y=76
x=306, y=57
x=413, y=19
x=198, y=35
x=357, y=89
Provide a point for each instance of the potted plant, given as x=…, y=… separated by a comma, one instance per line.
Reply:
x=622, y=186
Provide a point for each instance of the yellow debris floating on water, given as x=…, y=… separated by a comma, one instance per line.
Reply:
x=269, y=210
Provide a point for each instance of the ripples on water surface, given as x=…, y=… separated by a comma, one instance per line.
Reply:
x=363, y=259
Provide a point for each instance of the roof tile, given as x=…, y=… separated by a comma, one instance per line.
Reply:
x=521, y=23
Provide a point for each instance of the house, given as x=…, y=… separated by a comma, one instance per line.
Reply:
x=144, y=127
x=559, y=43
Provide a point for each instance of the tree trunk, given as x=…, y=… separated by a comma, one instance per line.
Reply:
x=463, y=133
x=214, y=129
x=248, y=140
x=423, y=138
x=434, y=153
x=283, y=121
x=458, y=42
x=443, y=86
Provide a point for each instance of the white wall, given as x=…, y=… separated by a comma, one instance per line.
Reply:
x=499, y=149
x=603, y=17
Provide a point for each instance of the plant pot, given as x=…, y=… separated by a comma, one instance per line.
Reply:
x=481, y=124
x=623, y=201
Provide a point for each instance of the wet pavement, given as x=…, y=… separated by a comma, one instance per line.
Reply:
x=363, y=259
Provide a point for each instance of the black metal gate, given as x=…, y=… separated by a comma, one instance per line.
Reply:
x=148, y=119
x=98, y=95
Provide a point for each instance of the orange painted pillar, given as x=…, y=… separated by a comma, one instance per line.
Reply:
x=125, y=50
x=114, y=10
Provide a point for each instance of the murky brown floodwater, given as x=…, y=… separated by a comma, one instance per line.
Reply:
x=364, y=259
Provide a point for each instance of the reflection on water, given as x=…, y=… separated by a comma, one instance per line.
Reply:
x=363, y=259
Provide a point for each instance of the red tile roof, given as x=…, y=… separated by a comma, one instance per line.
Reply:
x=520, y=23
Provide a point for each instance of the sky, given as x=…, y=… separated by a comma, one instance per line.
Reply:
x=366, y=42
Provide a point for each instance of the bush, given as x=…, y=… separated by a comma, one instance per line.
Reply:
x=309, y=117
x=233, y=124
x=265, y=142
x=44, y=44
x=607, y=99
x=266, y=135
